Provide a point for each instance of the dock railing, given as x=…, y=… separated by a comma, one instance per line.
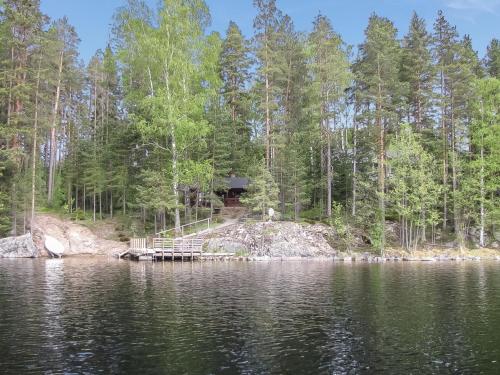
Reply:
x=184, y=228
x=138, y=243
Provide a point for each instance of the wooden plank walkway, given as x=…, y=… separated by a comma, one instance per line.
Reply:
x=168, y=249
x=187, y=247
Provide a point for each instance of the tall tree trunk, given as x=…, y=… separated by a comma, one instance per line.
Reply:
x=457, y=222
x=444, y=135
x=84, y=200
x=173, y=144
x=354, y=162
x=268, y=111
x=34, y=151
x=419, y=109
x=482, y=189
x=381, y=159
x=124, y=203
x=328, y=172
x=52, y=161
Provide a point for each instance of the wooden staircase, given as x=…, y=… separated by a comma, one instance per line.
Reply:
x=162, y=247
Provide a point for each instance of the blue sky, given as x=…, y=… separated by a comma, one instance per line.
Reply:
x=479, y=18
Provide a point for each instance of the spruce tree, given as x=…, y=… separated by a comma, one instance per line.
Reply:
x=417, y=73
x=234, y=70
x=262, y=192
x=492, y=59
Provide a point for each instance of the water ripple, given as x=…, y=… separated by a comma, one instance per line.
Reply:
x=104, y=316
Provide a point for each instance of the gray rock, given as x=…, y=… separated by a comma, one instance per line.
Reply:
x=273, y=240
x=18, y=247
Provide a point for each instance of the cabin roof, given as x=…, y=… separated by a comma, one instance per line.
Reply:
x=236, y=182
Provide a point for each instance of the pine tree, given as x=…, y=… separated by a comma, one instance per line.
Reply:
x=63, y=44
x=462, y=72
x=444, y=44
x=22, y=25
x=266, y=26
x=330, y=71
x=291, y=119
x=378, y=80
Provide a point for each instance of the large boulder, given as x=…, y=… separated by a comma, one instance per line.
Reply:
x=18, y=247
x=74, y=238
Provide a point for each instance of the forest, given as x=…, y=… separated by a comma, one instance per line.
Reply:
x=401, y=129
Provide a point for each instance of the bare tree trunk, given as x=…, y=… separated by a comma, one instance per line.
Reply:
x=457, y=221
x=34, y=153
x=328, y=173
x=268, y=111
x=381, y=160
x=482, y=192
x=52, y=162
x=124, y=201
x=444, y=135
x=175, y=171
x=175, y=180
x=354, y=163
x=84, y=200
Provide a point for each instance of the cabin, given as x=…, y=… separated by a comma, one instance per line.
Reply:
x=236, y=186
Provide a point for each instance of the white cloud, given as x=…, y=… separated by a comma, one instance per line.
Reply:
x=490, y=6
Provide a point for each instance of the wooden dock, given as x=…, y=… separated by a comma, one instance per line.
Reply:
x=188, y=247
x=166, y=249
x=162, y=249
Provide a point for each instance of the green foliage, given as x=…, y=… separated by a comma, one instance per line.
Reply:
x=417, y=74
x=492, y=59
x=154, y=193
x=482, y=171
x=342, y=228
x=414, y=192
x=376, y=235
x=159, y=117
x=233, y=129
x=262, y=192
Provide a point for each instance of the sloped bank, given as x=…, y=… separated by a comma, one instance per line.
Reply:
x=273, y=239
x=294, y=241
x=76, y=240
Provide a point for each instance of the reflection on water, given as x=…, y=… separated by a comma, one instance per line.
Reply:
x=95, y=315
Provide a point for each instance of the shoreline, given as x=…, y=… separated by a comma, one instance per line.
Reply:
x=341, y=258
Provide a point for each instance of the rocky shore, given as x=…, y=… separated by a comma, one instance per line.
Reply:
x=361, y=258
x=265, y=241
x=18, y=247
x=76, y=239
x=250, y=241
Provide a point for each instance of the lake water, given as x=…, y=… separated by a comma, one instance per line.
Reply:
x=88, y=316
